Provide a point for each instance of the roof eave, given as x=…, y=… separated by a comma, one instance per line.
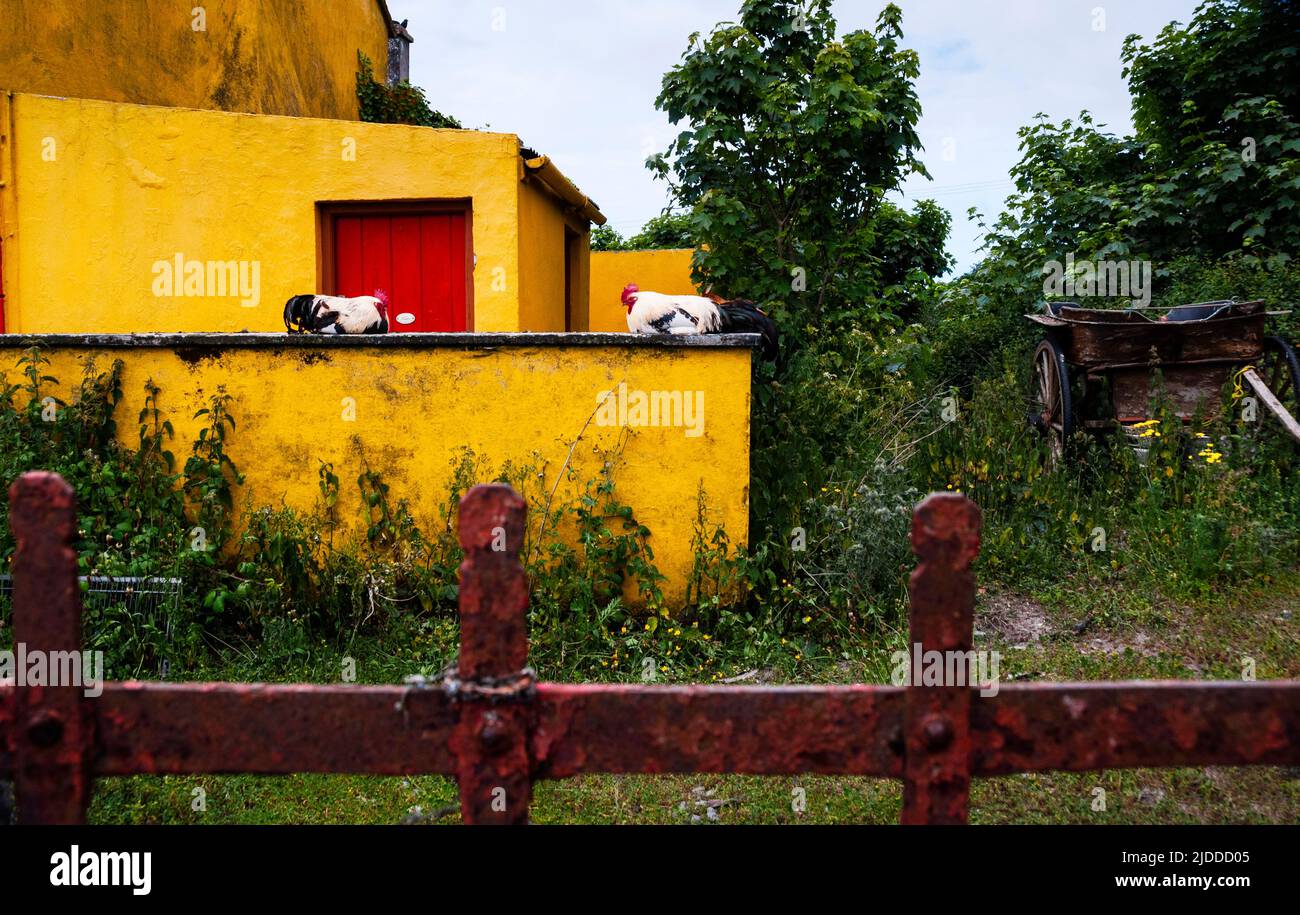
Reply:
x=542, y=168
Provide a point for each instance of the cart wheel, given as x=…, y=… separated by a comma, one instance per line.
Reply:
x=1280, y=370
x=1051, y=413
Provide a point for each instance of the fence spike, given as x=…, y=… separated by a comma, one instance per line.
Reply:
x=54, y=733
x=491, y=736
x=936, y=719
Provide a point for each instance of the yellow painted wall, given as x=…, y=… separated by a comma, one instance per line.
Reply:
x=542, y=253
x=271, y=56
x=541, y=258
x=580, y=277
x=667, y=271
x=96, y=194
x=415, y=405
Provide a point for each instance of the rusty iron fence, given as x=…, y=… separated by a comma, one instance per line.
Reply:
x=488, y=724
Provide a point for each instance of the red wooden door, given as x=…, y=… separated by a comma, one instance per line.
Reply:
x=419, y=259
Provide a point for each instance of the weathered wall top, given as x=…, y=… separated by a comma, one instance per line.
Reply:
x=403, y=341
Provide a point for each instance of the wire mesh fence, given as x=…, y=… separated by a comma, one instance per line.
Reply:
x=149, y=600
x=154, y=597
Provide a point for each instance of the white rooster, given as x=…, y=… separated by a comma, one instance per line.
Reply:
x=336, y=314
x=656, y=313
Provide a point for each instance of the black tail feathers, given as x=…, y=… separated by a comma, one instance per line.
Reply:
x=741, y=317
x=297, y=313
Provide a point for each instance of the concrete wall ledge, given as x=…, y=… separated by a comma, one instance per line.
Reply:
x=401, y=341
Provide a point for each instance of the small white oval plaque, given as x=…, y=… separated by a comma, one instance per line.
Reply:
x=406, y=318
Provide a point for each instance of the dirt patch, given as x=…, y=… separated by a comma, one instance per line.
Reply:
x=1023, y=622
x=1012, y=618
x=1100, y=644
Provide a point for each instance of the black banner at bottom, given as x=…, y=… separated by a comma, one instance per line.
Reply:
x=609, y=864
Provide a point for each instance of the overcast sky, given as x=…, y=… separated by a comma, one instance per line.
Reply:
x=577, y=81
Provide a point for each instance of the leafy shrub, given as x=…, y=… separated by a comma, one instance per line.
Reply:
x=399, y=104
x=1185, y=518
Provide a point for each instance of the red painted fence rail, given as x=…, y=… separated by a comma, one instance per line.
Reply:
x=489, y=725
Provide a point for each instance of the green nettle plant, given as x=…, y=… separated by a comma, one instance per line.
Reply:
x=210, y=475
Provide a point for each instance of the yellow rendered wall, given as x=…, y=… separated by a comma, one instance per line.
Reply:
x=542, y=254
x=414, y=407
x=667, y=271
x=95, y=194
x=580, y=276
x=541, y=259
x=270, y=56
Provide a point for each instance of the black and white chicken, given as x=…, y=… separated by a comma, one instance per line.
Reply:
x=336, y=314
x=656, y=313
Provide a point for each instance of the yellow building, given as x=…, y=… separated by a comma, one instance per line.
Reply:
x=137, y=218
x=172, y=186
x=260, y=56
x=405, y=405
x=124, y=192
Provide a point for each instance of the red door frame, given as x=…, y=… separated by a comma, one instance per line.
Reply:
x=328, y=212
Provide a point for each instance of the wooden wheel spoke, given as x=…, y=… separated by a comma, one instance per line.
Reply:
x=1052, y=411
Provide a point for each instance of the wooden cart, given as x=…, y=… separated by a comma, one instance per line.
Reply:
x=1093, y=370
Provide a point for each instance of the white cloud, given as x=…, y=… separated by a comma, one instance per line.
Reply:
x=577, y=81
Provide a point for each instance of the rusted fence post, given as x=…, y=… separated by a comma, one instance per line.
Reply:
x=53, y=734
x=936, y=720
x=491, y=736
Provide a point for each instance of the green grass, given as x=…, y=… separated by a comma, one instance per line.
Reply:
x=1128, y=636
x=1142, y=796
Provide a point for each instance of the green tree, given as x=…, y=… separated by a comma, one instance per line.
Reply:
x=667, y=230
x=606, y=238
x=792, y=139
x=1213, y=167
x=1206, y=187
